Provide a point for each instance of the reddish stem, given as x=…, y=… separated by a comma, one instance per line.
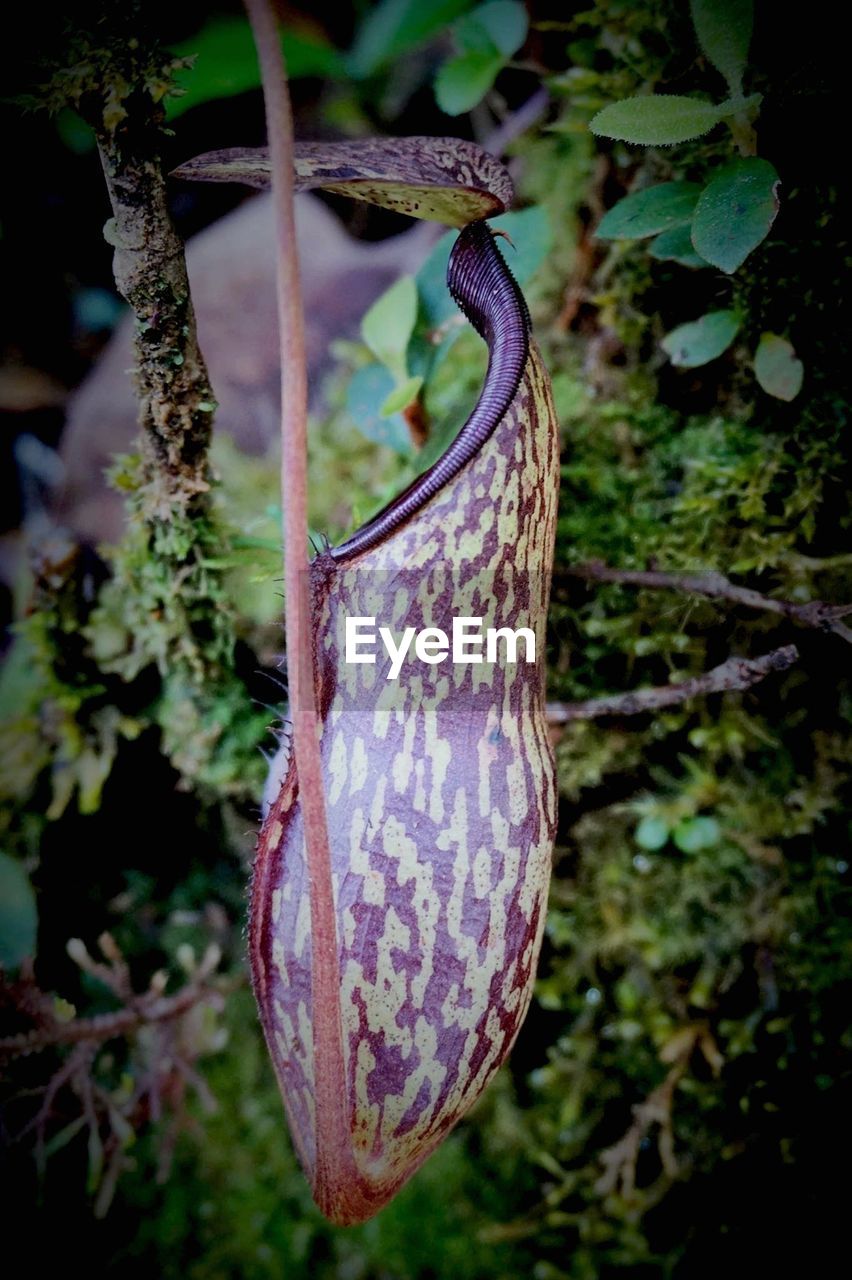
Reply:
x=334, y=1154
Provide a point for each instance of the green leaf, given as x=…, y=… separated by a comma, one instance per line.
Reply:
x=226, y=62
x=401, y=397
x=676, y=246
x=724, y=30
x=395, y=27
x=18, y=915
x=734, y=213
x=646, y=212
x=463, y=81
x=498, y=27
x=368, y=391
x=64, y=1136
x=388, y=325
x=691, y=345
x=657, y=119
x=694, y=834
x=777, y=368
x=651, y=833
x=74, y=132
x=485, y=38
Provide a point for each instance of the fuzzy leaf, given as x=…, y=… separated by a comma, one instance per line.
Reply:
x=734, y=213
x=645, y=213
x=724, y=30
x=463, y=81
x=388, y=325
x=676, y=246
x=18, y=916
x=694, y=344
x=777, y=368
x=657, y=119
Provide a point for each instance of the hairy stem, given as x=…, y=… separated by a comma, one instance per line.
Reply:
x=735, y=674
x=332, y=1125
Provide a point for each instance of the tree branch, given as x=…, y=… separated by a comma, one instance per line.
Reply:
x=734, y=674
x=122, y=104
x=817, y=614
x=147, y=1009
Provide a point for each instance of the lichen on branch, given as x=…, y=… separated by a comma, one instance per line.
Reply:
x=118, y=83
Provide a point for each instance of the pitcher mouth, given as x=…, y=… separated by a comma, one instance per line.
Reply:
x=486, y=292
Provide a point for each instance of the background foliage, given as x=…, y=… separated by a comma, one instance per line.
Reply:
x=677, y=1098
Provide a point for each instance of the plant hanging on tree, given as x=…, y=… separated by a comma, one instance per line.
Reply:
x=402, y=871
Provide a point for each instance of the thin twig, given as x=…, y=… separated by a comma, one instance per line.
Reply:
x=621, y=1159
x=733, y=674
x=715, y=586
x=105, y=1026
x=517, y=123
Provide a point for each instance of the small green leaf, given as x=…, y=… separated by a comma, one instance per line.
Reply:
x=497, y=27
x=18, y=915
x=777, y=368
x=645, y=213
x=366, y=395
x=388, y=325
x=694, y=834
x=657, y=119
x=724, y=30
x=394, y=27
x=652, y=833
x=226, y=62
x=74, y=132
x=734, y=213
x=694, y=344
x=462, y=82
x=676, y=246
x=485, y=38
x=401, y=397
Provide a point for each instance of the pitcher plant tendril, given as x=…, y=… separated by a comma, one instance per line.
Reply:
x=402, y=869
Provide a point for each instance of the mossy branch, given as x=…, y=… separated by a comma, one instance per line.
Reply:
x=818, y=614
x=145, y=1009
x=735, y=674
x=122, y=102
